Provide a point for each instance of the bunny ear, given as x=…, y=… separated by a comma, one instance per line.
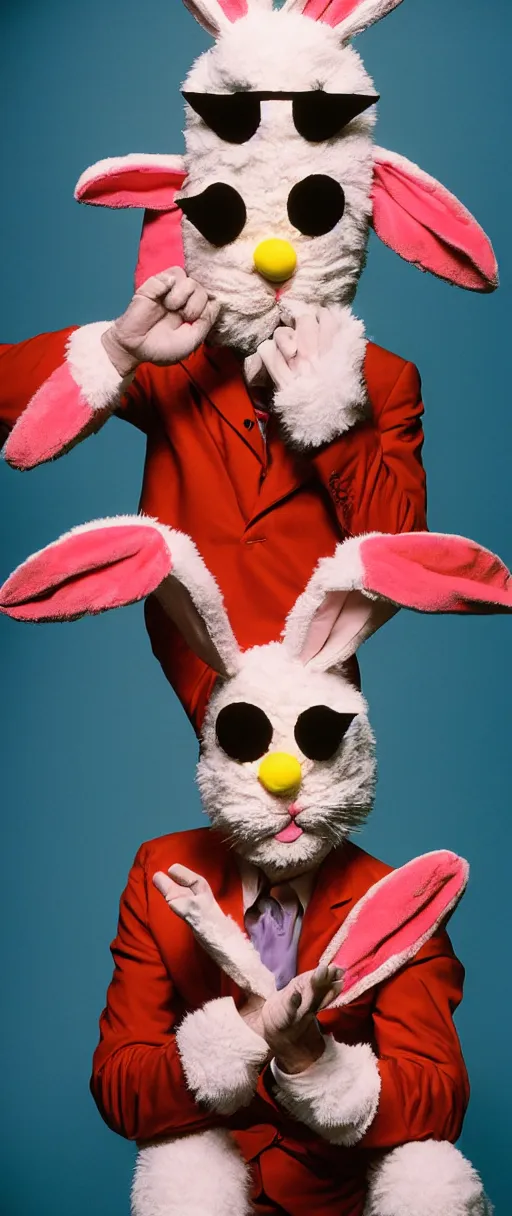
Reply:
x=354, y=592
x=148, y=181
x=138, y=180
x=426, y=225
x=394, y=919
x=113, y=562
x=216, y=16
x=161, y=244
x=351, y=17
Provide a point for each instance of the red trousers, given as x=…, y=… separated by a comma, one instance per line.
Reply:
x=286, y=1185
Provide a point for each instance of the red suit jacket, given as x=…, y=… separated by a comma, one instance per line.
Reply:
x=261, y=515
x=161, y=973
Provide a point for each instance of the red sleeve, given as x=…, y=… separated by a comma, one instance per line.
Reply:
x=25, y=366
x=424, y=1084
x=374, y=472
x=137, y=1081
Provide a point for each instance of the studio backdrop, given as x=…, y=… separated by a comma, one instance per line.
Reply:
x=97, y=755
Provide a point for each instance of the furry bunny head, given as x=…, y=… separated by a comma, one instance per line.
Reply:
x=287, y=765
x=272, y=204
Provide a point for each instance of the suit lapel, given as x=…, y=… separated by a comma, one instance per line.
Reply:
x=285, y=473
x=216, y=373
x=329, y=906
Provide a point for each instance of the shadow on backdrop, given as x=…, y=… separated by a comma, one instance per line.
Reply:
x=97, y=755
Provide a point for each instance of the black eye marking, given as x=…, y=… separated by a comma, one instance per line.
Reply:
x=218, y=213
x=316, y=204
x=234, y=117
x=318, y=115
x=320, y=730
x=243, y=731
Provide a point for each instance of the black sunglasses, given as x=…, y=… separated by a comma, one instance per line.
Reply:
x=244, y=732
x=317, y=115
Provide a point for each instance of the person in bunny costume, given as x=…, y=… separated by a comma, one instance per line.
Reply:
x=211, y=1056
x=241, y=358
x=274, y=428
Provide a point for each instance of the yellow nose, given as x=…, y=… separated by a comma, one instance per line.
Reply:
x=275, y=260
x=280, y=773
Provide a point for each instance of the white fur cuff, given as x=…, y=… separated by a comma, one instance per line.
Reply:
x=317, y=406
x=338, y=1096
x=425, y=1178
x=91, y=369
x=221, y=1056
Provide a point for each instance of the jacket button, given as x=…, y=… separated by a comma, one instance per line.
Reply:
x=248, y=424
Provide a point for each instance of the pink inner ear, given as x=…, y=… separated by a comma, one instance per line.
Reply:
x=436, y=573
x=132, y=185
x=331, y=12
x=54, y=417
x=91, y=571
x=397, y=917
x=337, y=626
x=161, y=244
x=418, y=218
x=234, y=9
x=322, y=624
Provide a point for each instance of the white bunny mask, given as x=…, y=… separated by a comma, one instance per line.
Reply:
x=287, y=765
x=299, y=167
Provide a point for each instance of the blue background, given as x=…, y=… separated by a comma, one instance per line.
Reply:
x=97, y=755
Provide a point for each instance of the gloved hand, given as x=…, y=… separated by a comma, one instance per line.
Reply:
x=287, y=1021
x=316, y=367
x=167, y=319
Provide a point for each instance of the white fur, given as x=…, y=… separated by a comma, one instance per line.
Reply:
x=189, y=569
x=317, y=405
x=116, y=164
x=343, y=572
x=221, y=1056
x=91, y=369
x=198, y=1175
x=335, y=795
x=265, y=168
x=431, y=1178
x=366, y=13
x=224, y=941
x=338, y=1096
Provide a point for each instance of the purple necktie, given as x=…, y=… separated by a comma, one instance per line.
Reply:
x=274, y=923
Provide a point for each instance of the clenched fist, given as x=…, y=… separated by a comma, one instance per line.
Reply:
x=167, y=319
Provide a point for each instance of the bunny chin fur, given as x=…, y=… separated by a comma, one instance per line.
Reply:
x=264, y=170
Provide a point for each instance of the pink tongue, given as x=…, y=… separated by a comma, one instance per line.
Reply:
x=290, y=833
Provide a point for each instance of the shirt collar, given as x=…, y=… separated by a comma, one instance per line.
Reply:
x=253, y=880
